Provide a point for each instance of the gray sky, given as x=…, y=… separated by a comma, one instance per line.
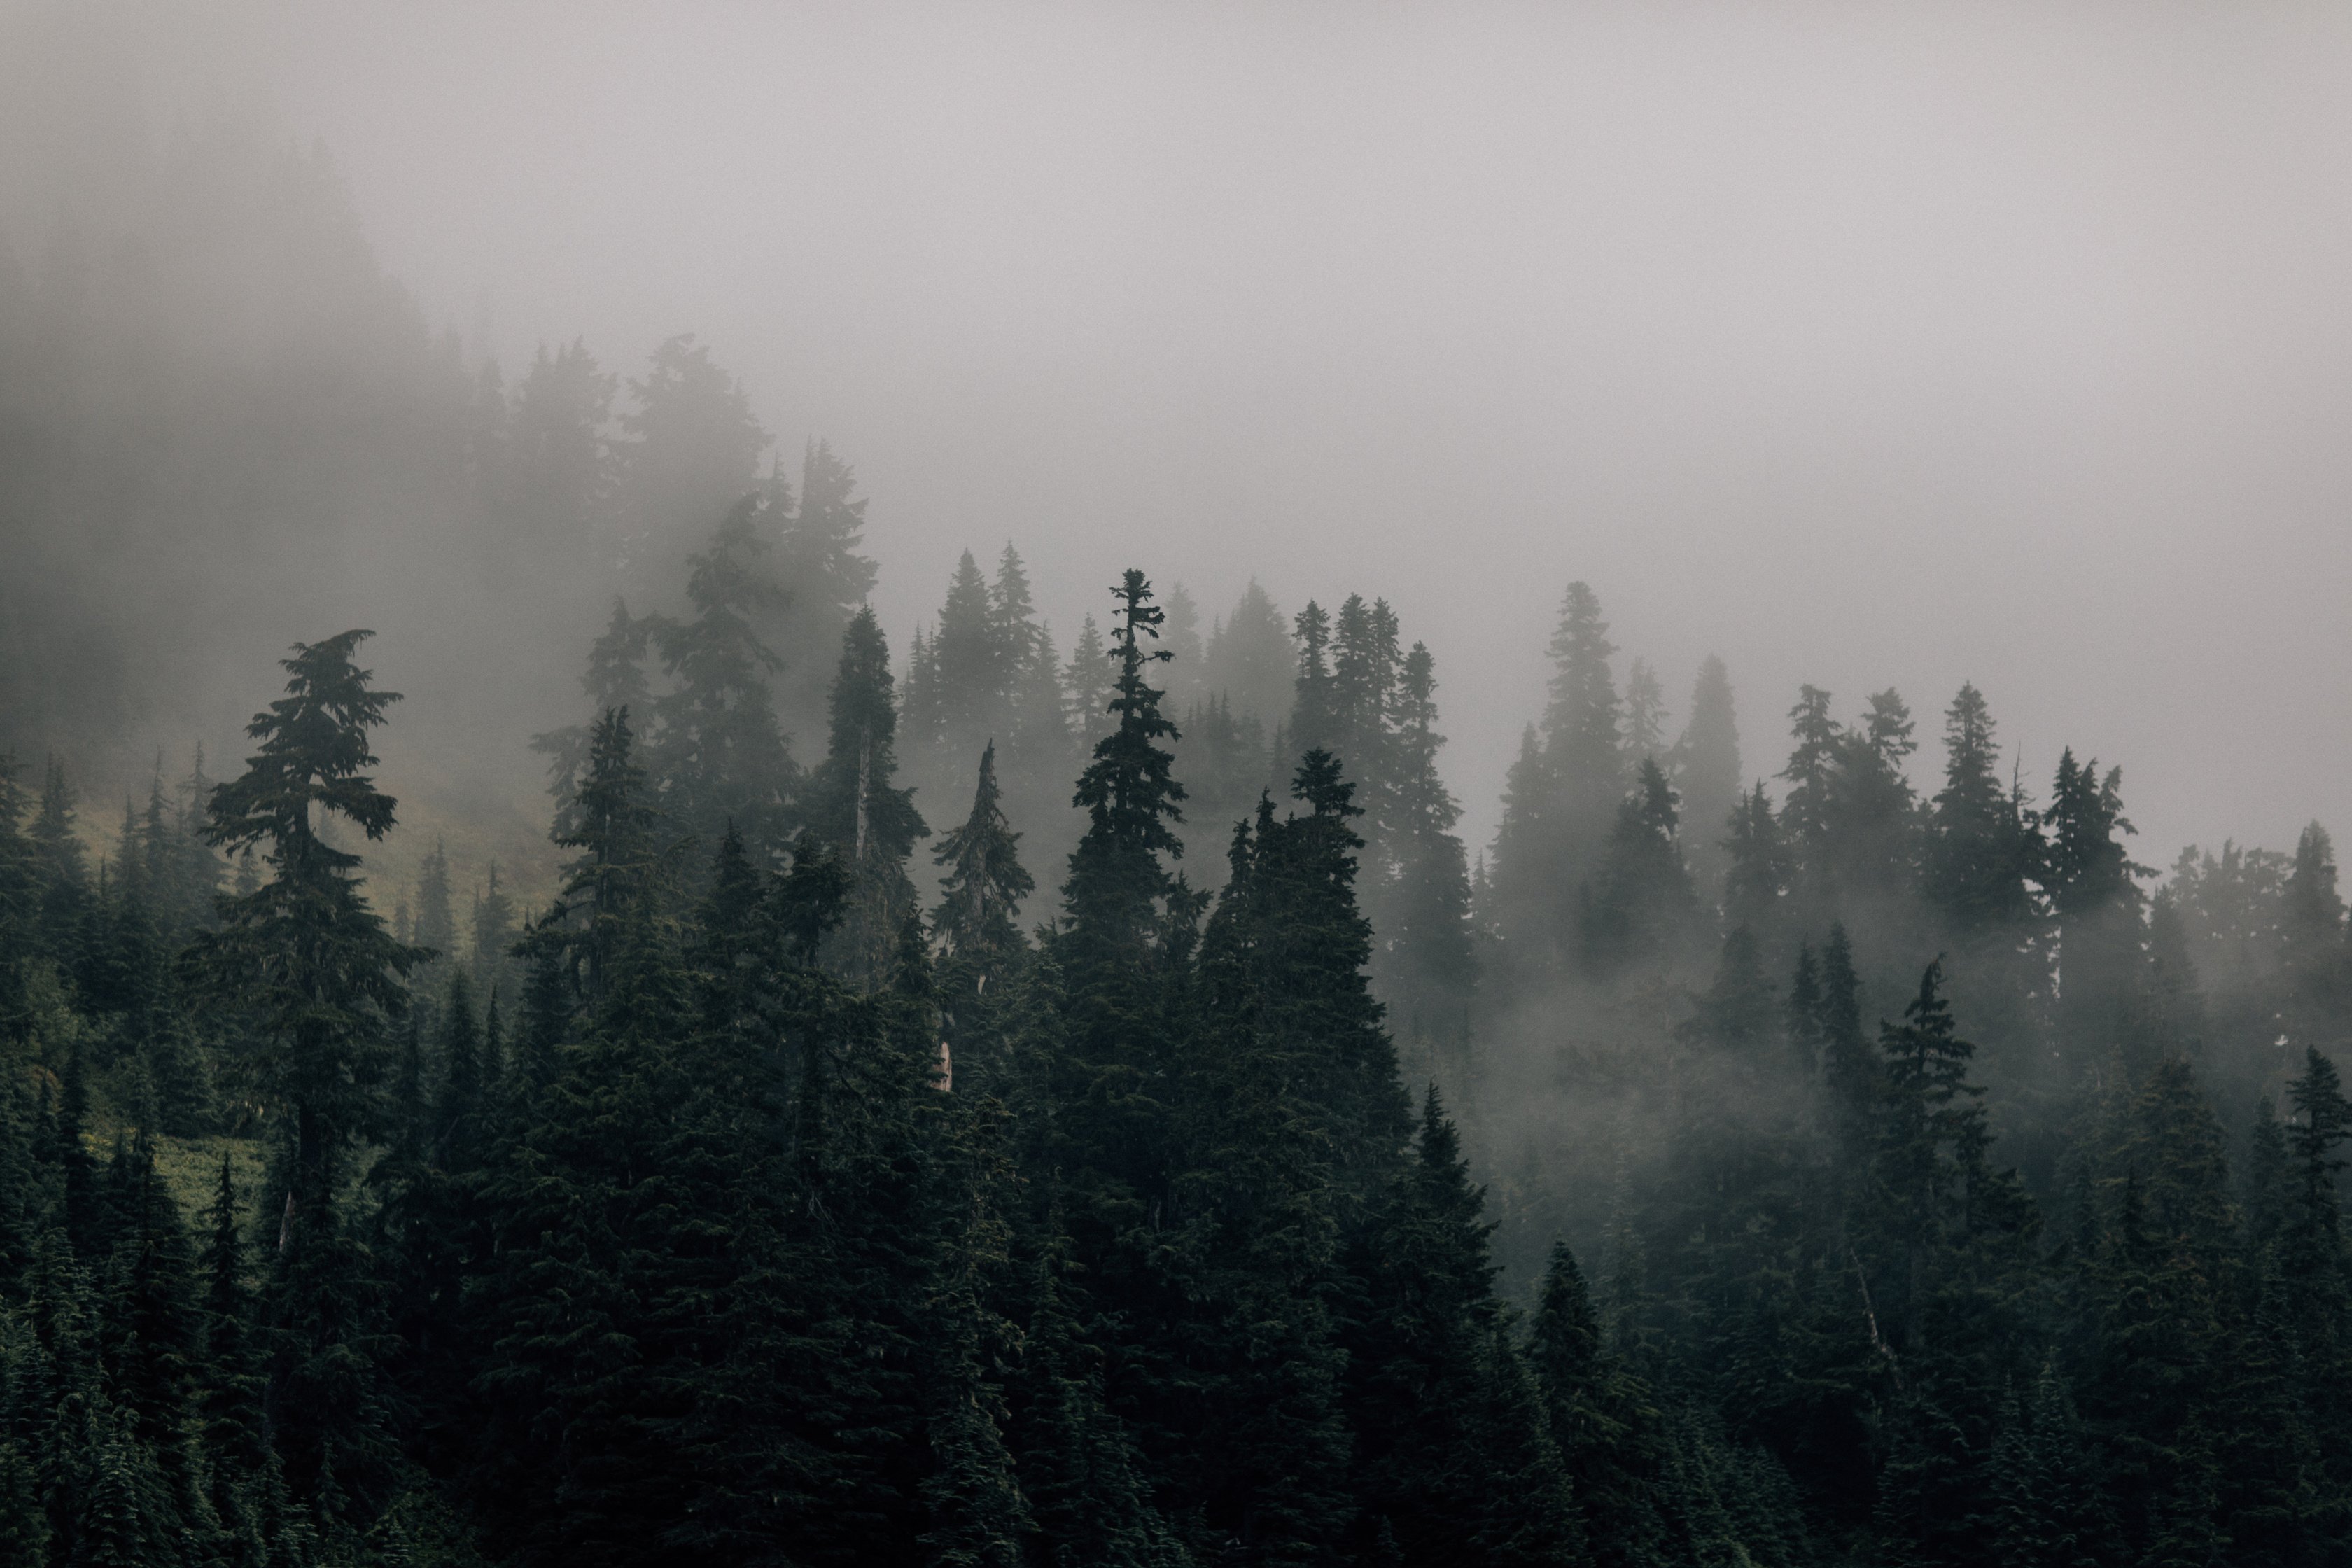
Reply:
x=1862, y=344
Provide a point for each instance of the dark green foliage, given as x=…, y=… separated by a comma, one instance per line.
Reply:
x=852, y=803
x=717, y=754
x=1600, y=1418
x=1640, y=907
x=1422, y=957
x=726, y=1211
x=984, y=883
x=1979, y=853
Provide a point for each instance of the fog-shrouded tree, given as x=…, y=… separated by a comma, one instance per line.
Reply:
x=717, y=753
x=825, y=576
x=1249, y=660
x=1705, y=765
x=322, y=980
x=854, y=803
x=690, y=453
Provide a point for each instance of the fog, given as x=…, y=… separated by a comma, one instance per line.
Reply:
x=1939, y=414
x=1861, y=346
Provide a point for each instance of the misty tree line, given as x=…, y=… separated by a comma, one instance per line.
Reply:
x=752, y=1202
x=869, y=1155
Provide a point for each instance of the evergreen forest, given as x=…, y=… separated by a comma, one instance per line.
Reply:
x=971, y=1098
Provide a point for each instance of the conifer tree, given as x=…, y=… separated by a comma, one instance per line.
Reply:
x=1582, y=720
x=1366, y=664
x=1979, y=850
x=1850, y=1068
x=827, y=579
x=2097, y=907
x=1421, y=1382
x=493, y=938
x=1423, y=960
x=1871, y=827
x=1706, y=768
x=969, y=697
x=303, y=951
x=1250, y=661
x=1641, y=908
x=984, y=882
x=1085, y=690
x=1038, y=743
x=853, y=803
x=321, y=977
x=1600, y=1418
x=231, y=1412
x=717, y=754
x=552, y=485
x=1314, y=705
x=1757, y=871
x=62, y=867
x=1562, y=797
x=690, y=449
x=1808, y=810
x=616, y=678
x=1645, y=716
x=436, y=924
x=1114, y=898
x=618, y=876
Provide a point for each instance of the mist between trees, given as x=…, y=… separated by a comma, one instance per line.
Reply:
x=1004, y=1099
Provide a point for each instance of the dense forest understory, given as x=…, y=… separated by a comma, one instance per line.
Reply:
x=997, y=1105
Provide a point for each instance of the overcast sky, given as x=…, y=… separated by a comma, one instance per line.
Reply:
x=1860, y=345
